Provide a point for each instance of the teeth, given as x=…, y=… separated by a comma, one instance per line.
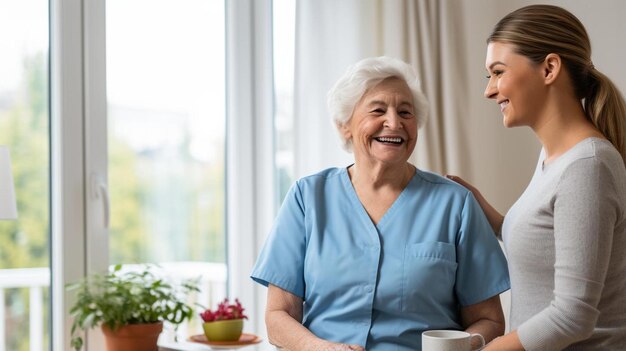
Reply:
x=390, y=140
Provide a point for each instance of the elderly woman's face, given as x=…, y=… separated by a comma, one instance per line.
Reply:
x=383, y=126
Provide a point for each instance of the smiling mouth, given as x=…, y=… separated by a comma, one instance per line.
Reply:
x=390, y=140
x=503, y=104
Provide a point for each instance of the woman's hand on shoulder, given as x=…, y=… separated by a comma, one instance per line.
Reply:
x=494, y=217
x=463, y=182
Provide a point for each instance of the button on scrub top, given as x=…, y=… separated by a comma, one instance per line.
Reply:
x=382, y=285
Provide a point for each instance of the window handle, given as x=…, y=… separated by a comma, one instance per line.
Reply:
x=99, y=191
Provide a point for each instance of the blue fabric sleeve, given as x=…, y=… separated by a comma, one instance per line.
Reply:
x=482, y=269
x=281, y=261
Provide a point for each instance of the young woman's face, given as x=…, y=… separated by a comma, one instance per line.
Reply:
x=516, y=84
x=383, y=126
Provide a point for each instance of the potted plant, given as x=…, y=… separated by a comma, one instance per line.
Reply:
x=225, y=323
x=129, y=306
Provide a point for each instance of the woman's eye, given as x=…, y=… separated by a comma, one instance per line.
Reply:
x=379, y=110
x=495, y=73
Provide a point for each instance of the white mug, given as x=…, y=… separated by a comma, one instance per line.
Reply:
x=449, y=340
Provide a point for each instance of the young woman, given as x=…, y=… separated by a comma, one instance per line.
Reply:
x=566, y=235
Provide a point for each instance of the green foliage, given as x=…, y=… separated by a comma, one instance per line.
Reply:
x=24, y=127
x=118, y=299
x=128, y=231
x=24, y=242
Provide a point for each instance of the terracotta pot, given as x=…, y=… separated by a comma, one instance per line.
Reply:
x=224, y=330
x=133, y=337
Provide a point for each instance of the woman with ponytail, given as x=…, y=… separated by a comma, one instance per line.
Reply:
x=566, y=235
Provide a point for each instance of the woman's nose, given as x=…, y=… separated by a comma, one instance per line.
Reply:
x=490, y=90
x=393, y=119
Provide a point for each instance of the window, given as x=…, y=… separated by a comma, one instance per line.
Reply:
x=24, y=127
x=284, y=56
x=166, y=138
x=130, y=104
x=166, y=130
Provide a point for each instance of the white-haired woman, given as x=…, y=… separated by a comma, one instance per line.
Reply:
x=370, y=255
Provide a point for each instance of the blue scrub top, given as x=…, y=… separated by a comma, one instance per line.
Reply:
x=382, y=285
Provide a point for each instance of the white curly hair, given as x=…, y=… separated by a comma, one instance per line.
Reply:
x=365, y=74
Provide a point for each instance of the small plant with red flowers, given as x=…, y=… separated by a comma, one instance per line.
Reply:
x=224, y=311
x=225, y=323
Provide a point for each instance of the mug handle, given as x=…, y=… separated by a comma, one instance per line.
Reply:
x=482, y=340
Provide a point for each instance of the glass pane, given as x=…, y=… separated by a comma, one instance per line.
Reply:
x=24, y=127
x=284, y=55
x=166, y=130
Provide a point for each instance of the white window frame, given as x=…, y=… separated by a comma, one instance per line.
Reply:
x=79, y=240
x=250, y=163
x=79, y=233
x=67, y=162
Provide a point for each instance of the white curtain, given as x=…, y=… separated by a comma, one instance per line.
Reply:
x=331, y=35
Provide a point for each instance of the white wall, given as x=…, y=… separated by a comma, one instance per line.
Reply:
x=501, y=161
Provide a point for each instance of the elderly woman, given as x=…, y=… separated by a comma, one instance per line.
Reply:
x=371, y=255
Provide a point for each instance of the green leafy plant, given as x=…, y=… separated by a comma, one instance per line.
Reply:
x=117, y=299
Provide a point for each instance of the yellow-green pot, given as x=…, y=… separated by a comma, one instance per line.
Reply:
x=227, y=330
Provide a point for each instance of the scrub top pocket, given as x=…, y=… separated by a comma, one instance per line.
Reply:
x=429, y=276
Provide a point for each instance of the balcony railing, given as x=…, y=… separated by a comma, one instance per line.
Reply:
x=35, y=280
x=212, y=289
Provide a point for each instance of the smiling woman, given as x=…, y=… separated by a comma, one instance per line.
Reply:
x=403, y=227
x=565, y=233
x=513, y=81
x=351, y=89
x=383, y=126
x=148, y=66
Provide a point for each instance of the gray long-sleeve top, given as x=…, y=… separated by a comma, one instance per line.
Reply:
x=566, y=243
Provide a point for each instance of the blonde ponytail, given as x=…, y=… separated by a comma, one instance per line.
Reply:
x=606, y=108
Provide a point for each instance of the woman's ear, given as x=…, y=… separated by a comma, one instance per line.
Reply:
x=552, y=67
x=344, y=130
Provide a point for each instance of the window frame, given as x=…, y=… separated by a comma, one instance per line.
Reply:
x=78, y=152
x=67, y=157
x=250, y=185
x=79, y=242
